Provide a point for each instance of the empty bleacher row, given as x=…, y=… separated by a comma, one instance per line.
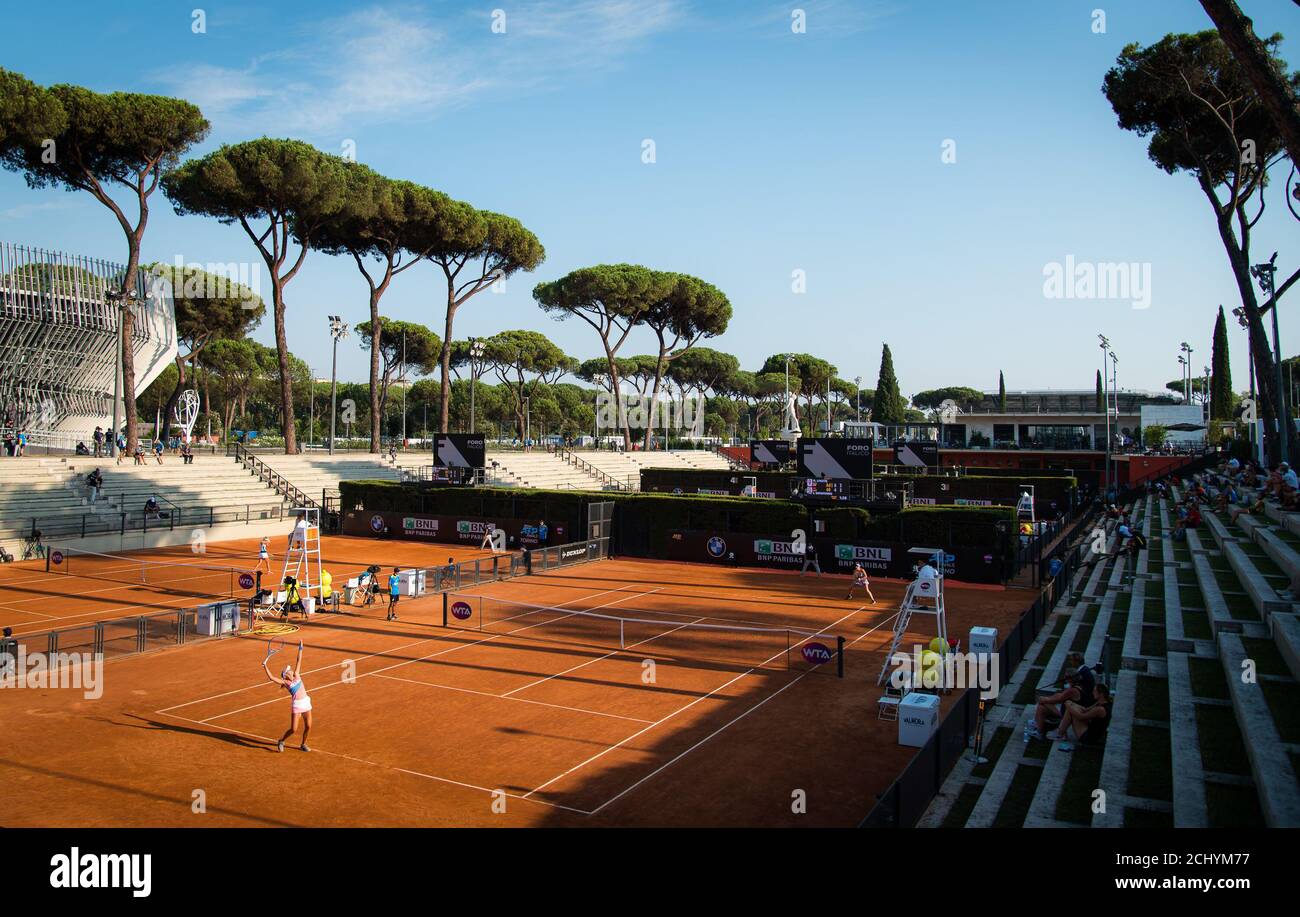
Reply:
x=1205, y=727
x=591, y=470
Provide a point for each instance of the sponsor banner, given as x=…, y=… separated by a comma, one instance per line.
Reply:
x=917, y=454
x=771, y=451
x=460, y=450
x=520, y=533
x=878, y=558
x=835, y=457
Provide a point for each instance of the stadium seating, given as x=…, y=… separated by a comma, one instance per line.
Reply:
x=1192, y=742
x=547, y=470
x=318, y=474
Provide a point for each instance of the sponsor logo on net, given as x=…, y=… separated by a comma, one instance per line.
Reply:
x=75, y=671
x=642, y=411
x=952, y=671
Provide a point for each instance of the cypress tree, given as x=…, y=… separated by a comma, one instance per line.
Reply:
x=1220, y=372
x=888, y=408
x=1002, y=393
x=1100, y=404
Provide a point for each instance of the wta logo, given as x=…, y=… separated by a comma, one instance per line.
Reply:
x=816, y=653
x=461, y=611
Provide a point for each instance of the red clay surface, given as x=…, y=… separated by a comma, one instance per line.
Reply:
x=416, y=724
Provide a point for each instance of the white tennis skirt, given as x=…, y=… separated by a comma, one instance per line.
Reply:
x=302, y=705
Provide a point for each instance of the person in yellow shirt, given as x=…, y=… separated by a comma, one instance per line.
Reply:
x=327, y=589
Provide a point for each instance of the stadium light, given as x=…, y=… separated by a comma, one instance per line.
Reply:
x=338, y=331
x=476, y=351
x=1105, y=400
x=1263, y=274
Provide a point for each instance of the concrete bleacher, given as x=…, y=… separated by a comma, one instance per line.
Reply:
x=50, y=493
x=317, y=474
x=574, y=471
x=1205, y=727
x=625, y=467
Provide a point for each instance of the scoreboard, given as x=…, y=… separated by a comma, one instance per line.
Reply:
x=824, y=488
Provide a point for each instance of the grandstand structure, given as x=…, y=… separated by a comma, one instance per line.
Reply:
x=591, y=470
x=60, y=320
x=1200, y=644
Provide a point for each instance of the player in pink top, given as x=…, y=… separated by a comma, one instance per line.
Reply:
x=300, y=704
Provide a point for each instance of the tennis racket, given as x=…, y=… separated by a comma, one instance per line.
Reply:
x=273, y=646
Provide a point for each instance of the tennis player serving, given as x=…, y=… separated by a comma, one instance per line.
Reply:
x=300, y=704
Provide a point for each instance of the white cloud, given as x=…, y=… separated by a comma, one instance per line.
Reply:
x=390, y=62
x=23, y=211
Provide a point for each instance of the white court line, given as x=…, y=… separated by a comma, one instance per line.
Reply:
x=317, y=750
x=518, y=700
x=459, y=646
x=452, y=649
x=681, y=709
x=602, y=658
x=741, y=716
x=618, y=652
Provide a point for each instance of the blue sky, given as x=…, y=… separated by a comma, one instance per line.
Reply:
x=775, y=152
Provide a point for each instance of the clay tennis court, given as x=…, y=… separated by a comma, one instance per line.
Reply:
x=530, y=721
x=36, y=596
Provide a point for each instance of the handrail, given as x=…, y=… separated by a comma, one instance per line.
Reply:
x=277, y=481
x=568, y=455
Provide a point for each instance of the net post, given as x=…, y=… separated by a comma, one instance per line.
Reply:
x=839, y=656
x=47, y=561
x=444, y=609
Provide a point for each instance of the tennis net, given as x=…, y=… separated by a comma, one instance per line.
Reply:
x=195, y=578
x=663, y=637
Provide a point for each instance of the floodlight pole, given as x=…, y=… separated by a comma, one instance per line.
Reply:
x=857, y=398
x=1105, y=400
x=1264, y=275
x=338, y=331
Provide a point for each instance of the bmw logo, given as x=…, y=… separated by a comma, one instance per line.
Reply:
x=717, y=547
x=376, y=523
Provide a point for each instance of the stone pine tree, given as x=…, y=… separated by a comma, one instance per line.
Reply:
x=1002, y=393
x=1099, y=405
x=1220, y=372
x=282, y=193
x=888, y=407
x=113, y=146
x=1202, y=117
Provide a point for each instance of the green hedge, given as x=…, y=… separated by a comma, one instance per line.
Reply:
x=1005, y=489
x=642, y=521
x=843, y=521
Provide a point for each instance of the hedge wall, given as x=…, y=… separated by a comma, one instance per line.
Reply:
x=642, y=521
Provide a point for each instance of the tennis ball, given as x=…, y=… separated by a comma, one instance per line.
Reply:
x=939, y=645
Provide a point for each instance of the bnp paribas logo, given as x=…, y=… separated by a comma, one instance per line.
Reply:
x=463, y=527
x=844, y=552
